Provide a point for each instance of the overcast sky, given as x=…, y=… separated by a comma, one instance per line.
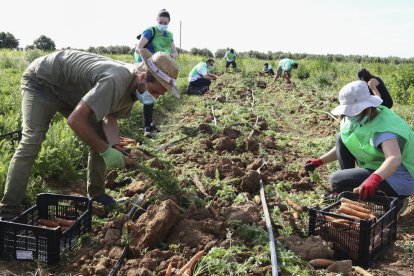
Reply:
x=363, y=27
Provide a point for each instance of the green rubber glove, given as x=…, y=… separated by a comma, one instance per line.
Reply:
x=114, y=159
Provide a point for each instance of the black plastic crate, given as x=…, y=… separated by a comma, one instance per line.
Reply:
x=363, y=241
x=23, y=238
x=13, y=137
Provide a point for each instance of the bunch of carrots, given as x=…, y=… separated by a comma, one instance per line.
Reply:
x=65, y=224
x=355, y=210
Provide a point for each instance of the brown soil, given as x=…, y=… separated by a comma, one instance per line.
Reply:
x=153, y=226
x=225, y=144
x=309, y=248
x=250, y=182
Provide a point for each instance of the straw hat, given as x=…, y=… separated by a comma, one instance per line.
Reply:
x=354, y=98
x=163, y=67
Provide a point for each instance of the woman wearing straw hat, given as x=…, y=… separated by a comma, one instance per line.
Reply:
x=377, y=139
x=155, y=39
x=93, y=92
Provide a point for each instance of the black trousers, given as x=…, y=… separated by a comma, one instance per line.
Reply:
x=200, y=82
x=350, y=177
x=148, y=109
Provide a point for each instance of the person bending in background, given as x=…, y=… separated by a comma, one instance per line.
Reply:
x=200, y=77
x=284, y=68
x=268, y=69
x=378, y=140
x=376, y=87
x=155, y=39
x=230, y=57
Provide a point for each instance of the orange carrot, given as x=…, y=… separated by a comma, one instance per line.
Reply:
x=64, y=222
x=356, y=203
x=190, y=263
x=352, y=212
x=356, y=207
x=48, y=223
x=168, y=272
x=320, y=263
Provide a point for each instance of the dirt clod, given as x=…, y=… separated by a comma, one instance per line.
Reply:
x=225, y=144
x=231, y=132
x=261, y=84
x=244, y=212
x=309, y=248
x=206, y=128
x=136, y=187
x=344, y=267
x=153, y=226
x=250, y=182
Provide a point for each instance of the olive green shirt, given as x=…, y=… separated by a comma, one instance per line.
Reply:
x=102, y=83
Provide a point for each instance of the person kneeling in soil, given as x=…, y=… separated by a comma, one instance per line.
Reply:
x=230, y=58
x=200, y=79
x=376, y=87
x=284, y=68
x=92, y=92
x=268, y=69
x=378, y=140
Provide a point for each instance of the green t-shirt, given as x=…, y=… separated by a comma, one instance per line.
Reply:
x=198, y=72
x=230, y=56
x=286, y=64
x=72, y=76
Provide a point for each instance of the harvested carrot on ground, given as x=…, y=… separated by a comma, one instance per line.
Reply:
x=295, y=206
x=48, y=223
x=168, y=272
x=191, y=263
x=320, y=263
x=352, y=212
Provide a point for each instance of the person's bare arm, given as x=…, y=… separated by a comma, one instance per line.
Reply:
x=392, y=160
x=330, y=156
x=111, y=129
x=209, y=76
x=373, y=83
x=174, y=53
x=79, y=122
x=142, y=42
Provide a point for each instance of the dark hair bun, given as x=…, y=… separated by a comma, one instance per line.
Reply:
x=164, y=13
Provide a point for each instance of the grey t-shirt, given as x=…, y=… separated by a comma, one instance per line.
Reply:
x=102, y=83
x=401, y=180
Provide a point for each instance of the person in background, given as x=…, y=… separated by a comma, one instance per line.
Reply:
x=376, y=87
x=200, y=77
x=268, y=69
x=93, y=92
x=284, y=68
x=155, y=39
x=378, y=140
x=230, y=57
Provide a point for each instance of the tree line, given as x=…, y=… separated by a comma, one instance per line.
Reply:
x=8, y=41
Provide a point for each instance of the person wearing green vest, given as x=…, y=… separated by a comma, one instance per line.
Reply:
x=376, y=139
x=230, y=57
x=200, y=77
x=284, y=68
x=155, y=39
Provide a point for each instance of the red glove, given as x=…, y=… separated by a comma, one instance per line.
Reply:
x=311, y=165
x=368, y=187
